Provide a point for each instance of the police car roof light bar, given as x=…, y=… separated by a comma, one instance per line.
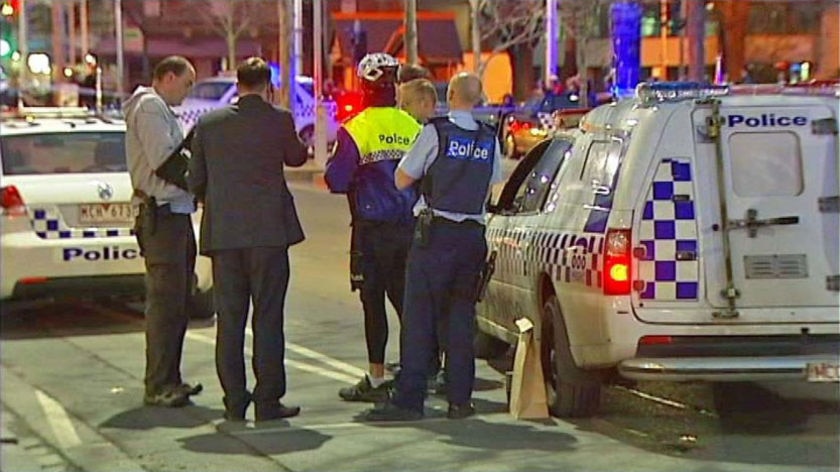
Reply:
x=651, y=92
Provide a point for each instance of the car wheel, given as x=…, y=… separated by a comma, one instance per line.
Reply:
x=487, y=347
x=510, y=147
x=572, y=391
x=201, y=305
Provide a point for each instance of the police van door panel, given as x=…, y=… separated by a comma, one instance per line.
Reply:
x=782, y=247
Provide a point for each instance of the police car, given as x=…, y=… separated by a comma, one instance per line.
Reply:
x=687, y=234
x=216, y=92
x=66, y=217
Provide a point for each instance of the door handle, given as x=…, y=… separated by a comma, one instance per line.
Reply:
x=751, y=223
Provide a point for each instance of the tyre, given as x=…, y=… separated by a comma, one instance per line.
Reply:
x=572, y=391
x=201, y=306
x=488, y=347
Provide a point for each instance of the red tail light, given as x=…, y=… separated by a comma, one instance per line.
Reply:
x=617, y=258
x=655, y=340
x=11, y=201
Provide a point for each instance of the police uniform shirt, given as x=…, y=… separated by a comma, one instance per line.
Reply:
x=422, y=155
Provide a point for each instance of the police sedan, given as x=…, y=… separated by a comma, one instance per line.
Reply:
x=65, y=210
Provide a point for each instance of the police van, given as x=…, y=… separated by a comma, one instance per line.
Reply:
x=216, y=92
x=687, y=234
x=65, y=214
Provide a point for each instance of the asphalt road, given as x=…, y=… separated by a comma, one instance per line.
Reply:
x=72, y=389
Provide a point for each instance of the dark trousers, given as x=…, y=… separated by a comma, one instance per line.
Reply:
x=384, y=249
x=260, y=274
x=441, y=280
x=169, y=251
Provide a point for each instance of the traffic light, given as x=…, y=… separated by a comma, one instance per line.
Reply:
x=8, y=38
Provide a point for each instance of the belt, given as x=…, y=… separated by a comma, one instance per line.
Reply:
x=468, y=223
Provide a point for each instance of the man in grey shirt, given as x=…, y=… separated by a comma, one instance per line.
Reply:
x=164, y=230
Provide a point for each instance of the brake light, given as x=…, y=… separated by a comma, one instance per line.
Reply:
x=655, y=340
x=617, y=258
x=11, y=201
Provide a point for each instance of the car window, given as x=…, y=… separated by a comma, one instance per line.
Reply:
x=531, y=194
x=210, y=90
x=63, y=153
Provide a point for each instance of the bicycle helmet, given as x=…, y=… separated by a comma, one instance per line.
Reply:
x=378, y=67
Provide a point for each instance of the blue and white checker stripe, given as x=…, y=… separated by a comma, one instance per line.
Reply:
x=48, y=225
x=669, y=228
x=567, y=257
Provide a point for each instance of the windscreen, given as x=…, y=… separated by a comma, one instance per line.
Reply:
x=63, y=153
x=209, y=90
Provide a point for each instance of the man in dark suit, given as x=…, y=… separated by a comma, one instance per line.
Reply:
x=249, y=222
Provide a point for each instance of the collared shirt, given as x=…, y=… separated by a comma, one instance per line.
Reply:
x=422, y=155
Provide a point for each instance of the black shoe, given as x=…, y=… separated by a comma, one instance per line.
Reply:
x=235, y=411
x=363, y=391
x=459, y=412
x=274, y=411
x=190, y=390
x=172, y=397
x=390, y=412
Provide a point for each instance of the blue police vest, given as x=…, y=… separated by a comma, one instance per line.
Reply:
x=459, y=178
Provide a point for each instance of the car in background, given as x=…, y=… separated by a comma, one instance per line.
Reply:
x=534, y=122
x=66, y=213
x=216, y=92
x=522, y=136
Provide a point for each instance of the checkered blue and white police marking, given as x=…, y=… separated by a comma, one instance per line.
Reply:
x=48, y=225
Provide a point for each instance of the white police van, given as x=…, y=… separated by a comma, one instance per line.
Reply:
x=216, y=92
x=688, y=234
x=65, y=210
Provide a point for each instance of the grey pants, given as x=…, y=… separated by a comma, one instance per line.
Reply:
x=169, y=250
x=239, y=276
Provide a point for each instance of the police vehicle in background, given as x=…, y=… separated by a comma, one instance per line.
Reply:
x=216, y=92
x=65, y=208
x=688, y=234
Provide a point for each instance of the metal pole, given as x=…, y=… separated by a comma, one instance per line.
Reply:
x=318, y=65
x=83, y=27
x=411, y=31
x=696, y=31
x=551, y=41
x=23, y=47
x=298, y=37
x=120, y=47
x=475, y=33
x=663, y=37
x=71, y=26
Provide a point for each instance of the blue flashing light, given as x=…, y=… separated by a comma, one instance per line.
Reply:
x=626, y=19
x=648, y=92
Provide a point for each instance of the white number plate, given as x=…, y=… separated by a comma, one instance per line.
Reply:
x=823, y=372
x=99, y=213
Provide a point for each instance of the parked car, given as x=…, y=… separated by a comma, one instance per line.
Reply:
x=522, y=136
x=534, y=121
x=216, y=92
x=66, y=214
x=689, y=234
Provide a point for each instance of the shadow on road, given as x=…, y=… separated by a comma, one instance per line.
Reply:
x=255, y=442
x=149, y=417
x=67, y=318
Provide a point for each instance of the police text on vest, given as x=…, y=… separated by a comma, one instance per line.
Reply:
x=461, y=148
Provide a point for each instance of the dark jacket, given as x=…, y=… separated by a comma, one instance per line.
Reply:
x=236, y=169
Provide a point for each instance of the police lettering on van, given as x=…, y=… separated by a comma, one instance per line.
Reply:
x=107, y=253
x=765, y=120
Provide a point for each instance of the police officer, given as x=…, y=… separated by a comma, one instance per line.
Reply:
x=457, y=159
x=369, y=147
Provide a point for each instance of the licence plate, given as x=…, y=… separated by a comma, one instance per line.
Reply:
x=823, y=371
x=98, y=213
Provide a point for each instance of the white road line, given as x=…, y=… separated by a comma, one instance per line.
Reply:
x=289, y=362
x=59, y=421
x=334, y=363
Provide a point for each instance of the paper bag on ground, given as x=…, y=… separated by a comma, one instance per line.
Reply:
x=527, y=394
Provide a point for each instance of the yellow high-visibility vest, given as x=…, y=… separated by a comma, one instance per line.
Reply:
x=382, y=133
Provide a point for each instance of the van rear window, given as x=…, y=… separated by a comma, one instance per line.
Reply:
x=63, y=153
x=766, y=164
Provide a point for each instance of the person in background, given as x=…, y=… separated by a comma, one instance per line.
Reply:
x=369, y=147
x=455, y=159
x=418, y=98
x=164, y=230
x=248, y=224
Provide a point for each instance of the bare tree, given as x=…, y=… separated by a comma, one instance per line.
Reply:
x=580, y=22
x=230, y=19
x=513, y=27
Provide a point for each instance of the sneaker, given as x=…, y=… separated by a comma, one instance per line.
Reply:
x=274, y=411
x=363, y=391
x=169, y=398
x=390, y=412
x=190, y=390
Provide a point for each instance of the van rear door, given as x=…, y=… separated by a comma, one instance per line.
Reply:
x=773, y=257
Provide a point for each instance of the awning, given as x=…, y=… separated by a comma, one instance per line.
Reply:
x=437, y=36
x=194, y=48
